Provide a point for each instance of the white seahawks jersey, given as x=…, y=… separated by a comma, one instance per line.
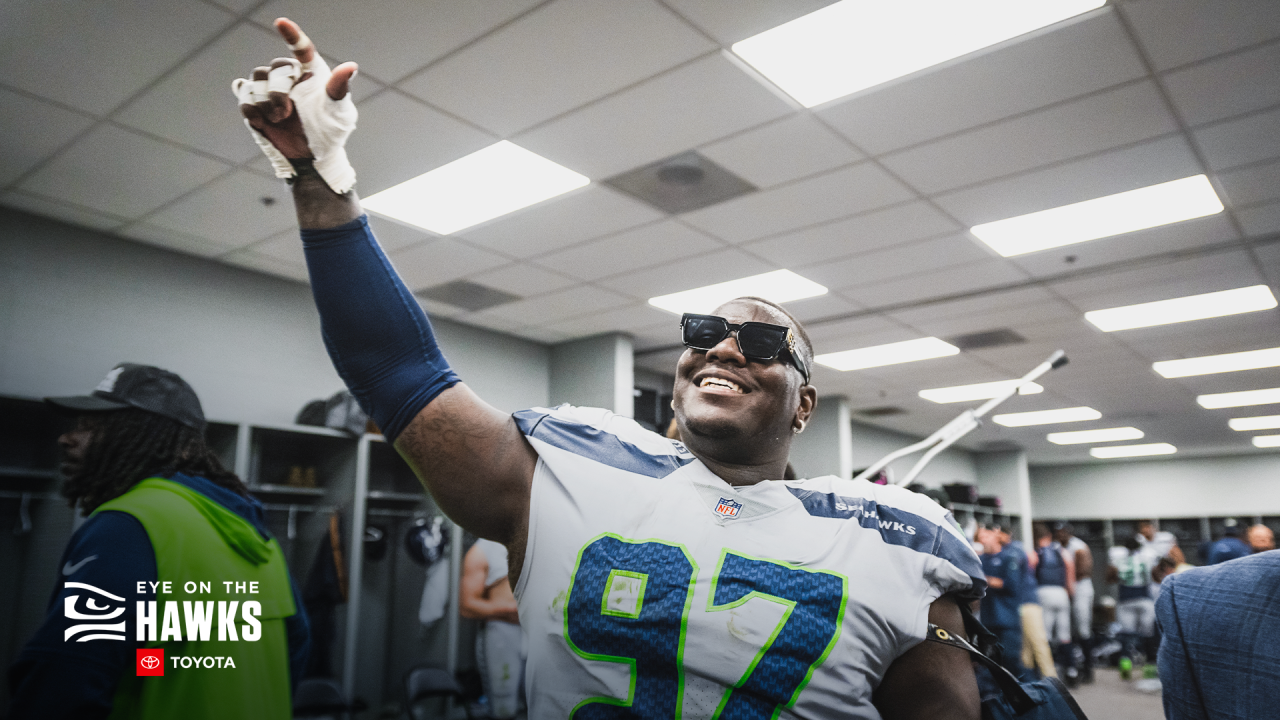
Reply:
x=653, y=589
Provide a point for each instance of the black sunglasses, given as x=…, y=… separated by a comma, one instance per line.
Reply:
x=756, y=340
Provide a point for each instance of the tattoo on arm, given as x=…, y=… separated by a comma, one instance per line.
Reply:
x=317, y=206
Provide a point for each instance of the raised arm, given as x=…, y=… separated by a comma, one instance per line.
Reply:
x=471, y=457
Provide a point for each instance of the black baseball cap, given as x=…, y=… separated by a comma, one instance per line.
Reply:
x=139, y=386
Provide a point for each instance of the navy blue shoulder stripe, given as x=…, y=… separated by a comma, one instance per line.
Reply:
x=899, y=527
x=595, y=444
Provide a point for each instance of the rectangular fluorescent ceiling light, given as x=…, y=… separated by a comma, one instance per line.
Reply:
x=1118, y=451
x=1184, y=309
x=1242, y=398
x=891, y=354
x=1124, y=212
x=486, y=184
x=778, y=286
x=1047, y=417
x=1080, y=437
x=1210, y=364
x=978, y=391
x=1267, y=441
x=857, y=44
x=1262, y=422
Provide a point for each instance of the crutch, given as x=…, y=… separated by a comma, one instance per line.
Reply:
x=967, y=422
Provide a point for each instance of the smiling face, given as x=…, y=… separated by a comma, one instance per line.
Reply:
x=735, y=410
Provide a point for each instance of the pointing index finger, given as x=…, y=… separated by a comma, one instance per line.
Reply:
x=299, y=43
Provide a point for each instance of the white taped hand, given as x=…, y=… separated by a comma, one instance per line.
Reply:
x=327, y=122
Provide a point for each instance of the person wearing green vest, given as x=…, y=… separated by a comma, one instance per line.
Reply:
x=174, y=601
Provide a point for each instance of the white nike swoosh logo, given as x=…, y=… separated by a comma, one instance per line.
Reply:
x=69, y=568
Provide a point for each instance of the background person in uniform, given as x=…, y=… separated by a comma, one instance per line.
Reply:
x=1082, y=599
x=161, y=508
x=1220, y=654
x=1036, y=655
x=1229, y=546
x=1135, y=610
x=1000, y=610
x=485, y=594
x=1055, y=581
x=615, y=529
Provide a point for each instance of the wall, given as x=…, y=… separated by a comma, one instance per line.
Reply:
x=74, y=302
x=1188, y=487
x=594, y=372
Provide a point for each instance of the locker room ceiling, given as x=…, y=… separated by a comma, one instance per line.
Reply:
x=118, y=116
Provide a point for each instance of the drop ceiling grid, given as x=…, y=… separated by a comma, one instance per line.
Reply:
x=1180, y=70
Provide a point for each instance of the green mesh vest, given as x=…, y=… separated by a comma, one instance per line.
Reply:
x=196, y=539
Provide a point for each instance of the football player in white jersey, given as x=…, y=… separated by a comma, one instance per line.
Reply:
x=654, y=579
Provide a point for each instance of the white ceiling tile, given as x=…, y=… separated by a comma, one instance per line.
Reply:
x=523, y=279
x=392, y=38
x=593, y=211
x=1105, y=174
x=1176, y=32
x=171, y=239
x=266, y=264
x=556, y=58
x=784, y=150
x=688, y=273
x=1109, y=119
x=1013, y=316
x=994, y=305
x=57, y=210
x=690, y=106
x=285, y=246
x=121, y=173
x=441, y=260
x=1203, y=274
x=831, y=333
x=836, y=194
x=630, y=250
x=1269, y=255
x=230, y=212
x=1241, y=141
x=831, y=305
x=543, y=335
x=622, y=319
x=1235, y=333
x=1073, y=58
x=194, y=105
x=93, y=56
x=554, y=307
x=939, y=283
x=861, y=233
x=899, y=261
x=1260, y=219
x=393, y=236
x=399, y=139
x=30, y=130
x=1229, y=86
x=435, y=309
x=1251, y=185
x=729, y=21
x=1143, y=243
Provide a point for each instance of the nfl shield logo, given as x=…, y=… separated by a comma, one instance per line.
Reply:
x=728, y=508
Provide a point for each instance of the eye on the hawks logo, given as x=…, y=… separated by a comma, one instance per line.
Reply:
x=728, y=508
x=150, y=661
x=99, y=606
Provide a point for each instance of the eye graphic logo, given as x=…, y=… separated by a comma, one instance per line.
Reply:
x=100, y=607
x=150, y=662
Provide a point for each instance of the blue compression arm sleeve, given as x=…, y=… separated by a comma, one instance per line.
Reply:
x=377, y=335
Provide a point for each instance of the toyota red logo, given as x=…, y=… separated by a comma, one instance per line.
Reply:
x=150, y=661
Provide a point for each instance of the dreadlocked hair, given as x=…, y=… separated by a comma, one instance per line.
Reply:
x=132, y=445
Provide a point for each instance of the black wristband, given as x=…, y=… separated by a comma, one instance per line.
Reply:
x=301, y=166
